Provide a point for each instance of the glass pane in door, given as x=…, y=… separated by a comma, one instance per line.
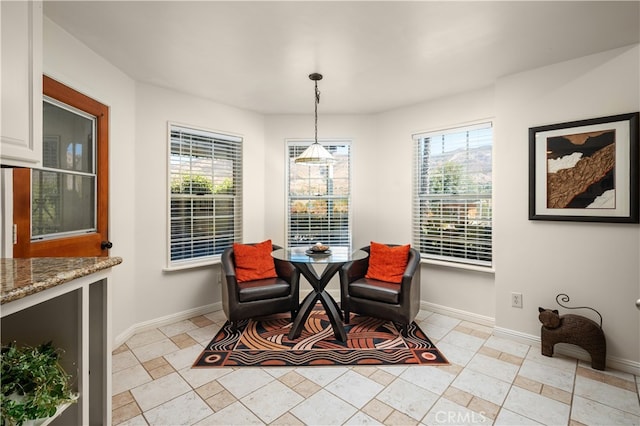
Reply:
x=63, y=196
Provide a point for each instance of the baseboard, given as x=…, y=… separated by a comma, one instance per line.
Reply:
x=168, y=319
x=507, y=333
x=459, y=314
x=572, y=351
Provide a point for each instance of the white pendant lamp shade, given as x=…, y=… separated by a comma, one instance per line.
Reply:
x=316, y=153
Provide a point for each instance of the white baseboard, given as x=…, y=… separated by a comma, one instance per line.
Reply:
x=459, y=314
x=572, y=351
x=168, y=319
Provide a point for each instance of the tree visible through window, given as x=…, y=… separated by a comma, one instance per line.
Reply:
x=452, y=206
x=318, y=198
x=205, y=173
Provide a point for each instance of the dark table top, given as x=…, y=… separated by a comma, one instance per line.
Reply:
x=333, y=255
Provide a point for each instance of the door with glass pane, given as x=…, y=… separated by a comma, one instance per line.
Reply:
x=60, y=209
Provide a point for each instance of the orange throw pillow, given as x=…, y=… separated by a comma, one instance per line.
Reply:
x=387, y=263
x=254, y=262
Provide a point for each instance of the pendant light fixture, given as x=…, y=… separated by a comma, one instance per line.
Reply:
x=315, y=153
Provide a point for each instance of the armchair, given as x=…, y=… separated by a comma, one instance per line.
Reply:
x=250, y=299
x=399, y=303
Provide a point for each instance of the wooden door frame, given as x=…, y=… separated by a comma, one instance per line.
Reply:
x=87, y=245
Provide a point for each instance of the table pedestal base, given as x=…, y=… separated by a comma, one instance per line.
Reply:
x=319, y=294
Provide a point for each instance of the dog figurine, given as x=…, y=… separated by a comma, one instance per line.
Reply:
x=573, y=329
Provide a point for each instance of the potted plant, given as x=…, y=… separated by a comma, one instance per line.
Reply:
x=34, y=387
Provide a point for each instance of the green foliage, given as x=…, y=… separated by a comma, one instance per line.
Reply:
x=33, y=384
x=446, y=179
x=225, y=187
x=196, y=184
x=200, y=185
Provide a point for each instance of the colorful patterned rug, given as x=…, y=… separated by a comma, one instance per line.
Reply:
x=370, y=341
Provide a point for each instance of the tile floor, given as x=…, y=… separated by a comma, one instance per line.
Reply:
x=490, y=381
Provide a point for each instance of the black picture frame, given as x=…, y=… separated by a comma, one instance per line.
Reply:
x=585, y=171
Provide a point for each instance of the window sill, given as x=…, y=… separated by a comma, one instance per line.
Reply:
x=191, y=265
x=467, y=267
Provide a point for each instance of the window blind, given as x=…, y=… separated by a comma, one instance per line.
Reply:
x=452, y=200
x=205, y=183
x=319, y=197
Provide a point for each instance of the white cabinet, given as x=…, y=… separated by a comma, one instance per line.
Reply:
x=21, y=83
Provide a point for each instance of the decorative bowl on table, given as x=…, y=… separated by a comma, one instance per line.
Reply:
x=318, y=249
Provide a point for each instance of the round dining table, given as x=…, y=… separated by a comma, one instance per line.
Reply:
x=332, y=260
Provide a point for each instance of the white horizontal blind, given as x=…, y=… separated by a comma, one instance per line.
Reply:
x=205, y=174
x=319, y=197
x=452, y=202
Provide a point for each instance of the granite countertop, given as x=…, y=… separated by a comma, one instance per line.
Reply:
x=21, y=277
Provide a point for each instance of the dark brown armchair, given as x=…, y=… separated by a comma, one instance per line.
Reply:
x=251, y=299
x=399, y=303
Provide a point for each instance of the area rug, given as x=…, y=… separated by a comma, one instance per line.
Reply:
x=263, y=342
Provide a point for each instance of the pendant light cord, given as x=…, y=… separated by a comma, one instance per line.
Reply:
x=316, y=110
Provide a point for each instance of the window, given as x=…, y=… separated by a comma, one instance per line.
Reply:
x=63, y=200
x=318, y=197
x=452, y=213
x=60, y=209
x=205, y=183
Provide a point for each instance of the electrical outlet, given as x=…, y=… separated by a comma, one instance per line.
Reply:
x=516, y=300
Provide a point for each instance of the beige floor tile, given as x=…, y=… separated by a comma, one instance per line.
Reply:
x=154, y=363
x=377, y=410
x=512, y=359
x=201, y=321
x=365, y=371
x=601, y=376
x=398, y=418
x=120, y=349
x=183, y=340
x=161, y=371
x=451, y=368
x=306, y=388
x=486, y=408
x=121, y=399
x=528, y=384
x=458, y=396
x=208, y=390
x=382, y=377
x=291, y=379
x=557, y=394
x=220, y=400
x=125, y=412
x=486, y=350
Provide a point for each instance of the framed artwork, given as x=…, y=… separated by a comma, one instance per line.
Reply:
x=585, y=170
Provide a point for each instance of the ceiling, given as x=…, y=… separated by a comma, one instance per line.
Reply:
x=375, y=55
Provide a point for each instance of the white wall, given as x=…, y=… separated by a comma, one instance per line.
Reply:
x=72, y=63
x=449, y=289
x=594, y=263
x=161, y=293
